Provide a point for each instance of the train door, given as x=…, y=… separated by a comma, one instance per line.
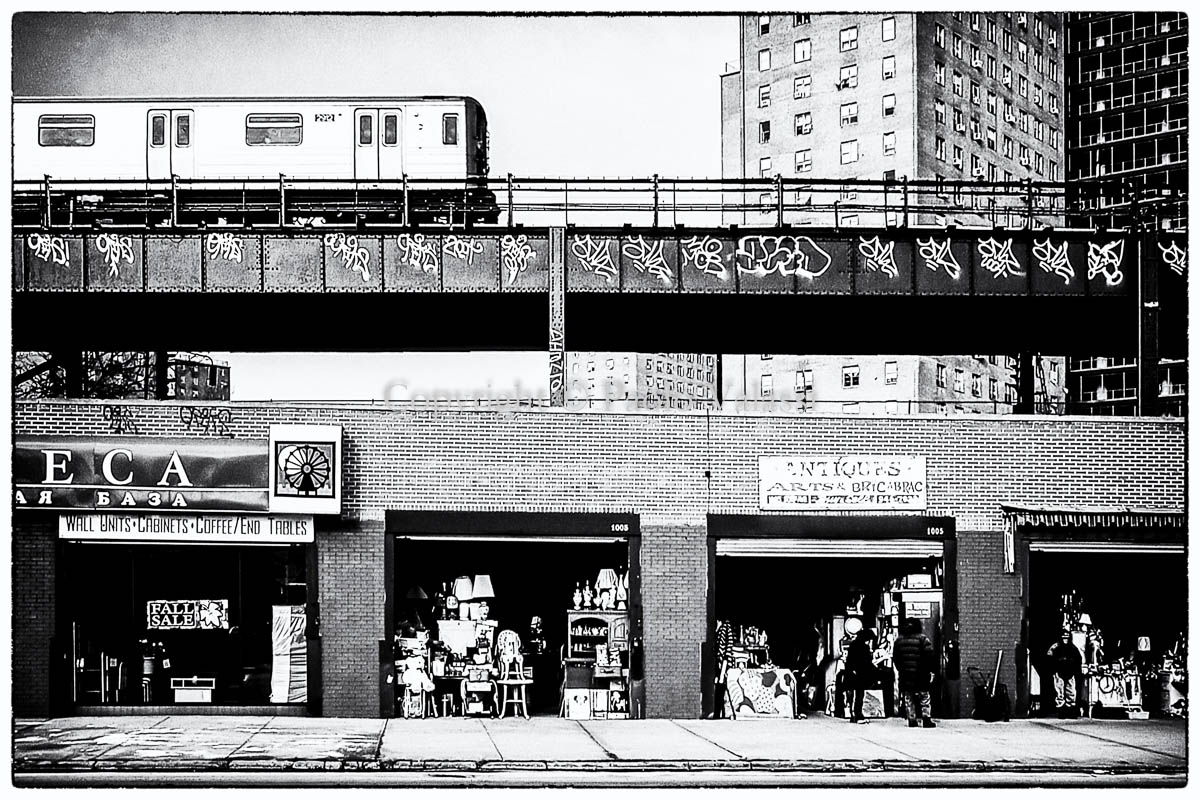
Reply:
x=169, y=134
x=377, y=146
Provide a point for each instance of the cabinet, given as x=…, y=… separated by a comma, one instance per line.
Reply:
x=586, y=629
x=596, y=689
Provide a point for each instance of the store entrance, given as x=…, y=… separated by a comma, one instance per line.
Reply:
x=458, y=601
x=794, y=613
x=1127, y=617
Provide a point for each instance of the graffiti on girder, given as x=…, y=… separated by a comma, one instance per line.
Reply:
x=224, y=245
x=879, y=257
x=462, y=248
x=418, y=251
x=353, y=255
x=647, y=256
x=120, y=420
x=54, y=249
x=938, y=256
x=998, y=258
x=1174, y=257
x=1106, y=260
x=516, y=254
x=115, y=249
x=1054, y=260
x=594, y=255
x=783, y=255
x=206, y=421
x=703, y=253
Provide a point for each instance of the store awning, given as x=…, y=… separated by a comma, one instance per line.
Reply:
x=491, y=537
x=1123, y=548
x=1095, y=516
x=830, y=548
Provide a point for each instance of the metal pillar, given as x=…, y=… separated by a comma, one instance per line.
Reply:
x=1025, y=384
x=558, y=296
x=1147, y=352
x=160, y=375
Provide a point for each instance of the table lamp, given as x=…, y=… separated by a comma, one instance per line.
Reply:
x=481, y=593
x=463, y=592
x=606, y=581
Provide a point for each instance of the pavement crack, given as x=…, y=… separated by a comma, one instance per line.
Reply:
x=584, y=728
x=1105, y=739
x=484, y=725
x=738, y=756
x=232, y=753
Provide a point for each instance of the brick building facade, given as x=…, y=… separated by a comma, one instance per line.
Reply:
x=672, y=470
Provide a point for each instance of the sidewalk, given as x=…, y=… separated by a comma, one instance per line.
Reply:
x=819, y=744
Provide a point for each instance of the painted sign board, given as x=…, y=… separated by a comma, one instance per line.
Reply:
x=238, y=528
x=306, y=469
x=187, y=615
x=842, y=483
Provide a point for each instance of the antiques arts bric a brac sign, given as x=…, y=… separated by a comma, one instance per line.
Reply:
x=842, y=483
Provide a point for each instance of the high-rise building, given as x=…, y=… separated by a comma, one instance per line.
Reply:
x=646, y=380
x=943, y=96
x=199, y=377
x=1126, y=137
x=878, y=385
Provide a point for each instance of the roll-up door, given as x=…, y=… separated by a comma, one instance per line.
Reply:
x=1153, y=548
x=830, y=548
x=490, y=537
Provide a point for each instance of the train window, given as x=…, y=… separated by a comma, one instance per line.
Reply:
x=183, y=130
x=391, y=130
x=449, y=128
x=158, y=130
x=365, y=128
x=274, y=129
x=66, y=130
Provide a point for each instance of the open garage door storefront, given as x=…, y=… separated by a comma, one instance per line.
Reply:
x=1115, y=580
x=562, y=588
x=790, y=588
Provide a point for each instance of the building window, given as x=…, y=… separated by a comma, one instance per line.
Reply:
x=849, y=408
x=991, y=30
x=991, y=138
x=974, y=92
x=939, y=148
x=849, y=377
x=804, y=380
x=850, y=221
x=1022, y=53
x=804, y=161
x=850, y=151
x=1022, y=86
x=941, y=375
x=939, y=112
x=958, y=121
x=939, y=36
x=764, y=131
x=1007, y=41
x=958, y=162
x=991, y=102
x=849, y=114
x=849, y=38
x=848, y=76
x=764, y=60
x=992, y=388
x=977, y=385
x=449, y=128
x=274, y=129
x=764, y=96
x=891, y=408
x=957, y=46
x=889, y=29
x=889, y=67
x=802, y=87
x=939, y=73
x=889, y=105
x=802, y=50
x=801, y=19
x=767, y=386
x=764, y=24
x=764, y=166
x=889, y=143
x=804, y=123
x=956, y=84
x=959, y=380
x=890, y=371
x=1006, y=75
x=991, y=66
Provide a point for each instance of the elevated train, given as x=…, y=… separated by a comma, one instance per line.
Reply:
x=246, y=160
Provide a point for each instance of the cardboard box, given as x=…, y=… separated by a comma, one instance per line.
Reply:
x=599, y=701
x=579, y=703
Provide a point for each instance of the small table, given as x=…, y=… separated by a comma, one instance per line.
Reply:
x=483, y=691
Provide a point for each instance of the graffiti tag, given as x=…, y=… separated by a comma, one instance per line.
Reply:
x=648, y=257
x=353, y=255
x=1054, y=260
x=998, y=258
x=557, y=353
x=516, y=254
x=206, y=421
x=463, y=248
x=937, y=255
x=54, y=249
x=1106, y=260
x=880, y=257
x=786, y=255
x=115, y=249
x=120, y=420
x=417, y=251
x=223, y=245
x=1175, y=257
x=593, y=254
x=705, y=255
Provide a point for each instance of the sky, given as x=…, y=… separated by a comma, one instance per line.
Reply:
x=587, y=96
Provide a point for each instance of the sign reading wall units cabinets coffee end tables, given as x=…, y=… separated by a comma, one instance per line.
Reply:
x=240, y=528
x=842, y=483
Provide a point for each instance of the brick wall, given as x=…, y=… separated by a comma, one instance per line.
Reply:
x=351, y=589
x=33, y=612
x=653, y=465
x=674, y=588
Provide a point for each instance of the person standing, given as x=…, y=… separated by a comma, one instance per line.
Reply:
x=724, y=656
x=860, y=672
x=914, y=658
x=1066, y=665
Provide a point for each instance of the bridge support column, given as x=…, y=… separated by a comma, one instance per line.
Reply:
x=1147, y=355
x=1025, y=384
x=558, y=298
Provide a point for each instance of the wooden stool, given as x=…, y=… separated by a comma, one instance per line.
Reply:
x=513, y=692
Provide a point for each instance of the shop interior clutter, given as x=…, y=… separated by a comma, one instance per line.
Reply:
x=790, y=622
x=544, y=630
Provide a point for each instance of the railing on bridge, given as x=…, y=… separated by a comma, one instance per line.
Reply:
x=296, y=203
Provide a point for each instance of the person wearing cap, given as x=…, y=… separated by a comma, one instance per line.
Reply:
x=1066, y=664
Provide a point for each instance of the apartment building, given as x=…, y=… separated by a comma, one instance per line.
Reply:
x=942, y=96
x=647, y=380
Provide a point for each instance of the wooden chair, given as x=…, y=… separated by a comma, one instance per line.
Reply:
x=513, y=681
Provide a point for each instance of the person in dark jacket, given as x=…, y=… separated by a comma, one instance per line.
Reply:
x=1066, y=663
x=914, y=659
x=860, y=672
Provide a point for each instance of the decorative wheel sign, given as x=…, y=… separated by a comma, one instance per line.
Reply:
x=305, y=468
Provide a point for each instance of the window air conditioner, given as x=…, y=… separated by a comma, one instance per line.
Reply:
x=1100, y=106
x=979, y=173
x=957, y=162
x=1009, y=118
x=1008, y=82
x=977, y=137
x=1101, y=170
x=1025, y=162
x=960, y=128
x=1021, y=20
x=977, y=64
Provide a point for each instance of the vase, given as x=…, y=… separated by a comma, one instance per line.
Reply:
x=577, y=597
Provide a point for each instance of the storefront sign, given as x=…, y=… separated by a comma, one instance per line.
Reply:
x=140, y=474
x=176, y=615
x=273, y=529
x=918, y=610
x=306, y=467
x=842, y=484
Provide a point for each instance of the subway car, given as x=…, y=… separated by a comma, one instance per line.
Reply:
x=227, y=158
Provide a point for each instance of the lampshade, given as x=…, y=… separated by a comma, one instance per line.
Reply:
x=607, y=579
x=1085, y=618
x=462, y=588
x=416, y=593
x=483, y=588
